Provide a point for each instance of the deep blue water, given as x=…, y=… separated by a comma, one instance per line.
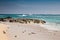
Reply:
x=46, y=17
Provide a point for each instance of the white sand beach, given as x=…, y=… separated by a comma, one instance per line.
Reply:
x=3, y=28
x=17, y=31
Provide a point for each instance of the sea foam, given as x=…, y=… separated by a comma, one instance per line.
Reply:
x=51, y=26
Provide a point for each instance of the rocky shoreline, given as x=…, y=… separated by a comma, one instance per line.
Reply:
x=22, y=20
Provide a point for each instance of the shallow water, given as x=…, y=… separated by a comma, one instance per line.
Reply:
x=52, y=20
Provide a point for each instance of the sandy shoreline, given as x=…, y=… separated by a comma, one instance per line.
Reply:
x=17, y=31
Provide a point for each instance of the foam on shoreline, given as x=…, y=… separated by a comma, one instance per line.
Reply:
x=51, y=26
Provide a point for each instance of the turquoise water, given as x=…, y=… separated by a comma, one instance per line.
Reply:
x=46, y=17
x=52, y=20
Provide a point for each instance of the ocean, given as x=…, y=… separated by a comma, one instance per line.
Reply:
x=46, y=17
x=52, y=20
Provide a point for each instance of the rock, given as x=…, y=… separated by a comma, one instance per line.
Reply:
x=10, y=19
x=15, y=36
x=42, y=21
x=4, y=32
x=2, y=19
x=36, y=21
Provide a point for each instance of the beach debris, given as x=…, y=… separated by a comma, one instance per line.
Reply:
x=4, y=32
x=15, y=36
x=31, y=33
x=24, y=31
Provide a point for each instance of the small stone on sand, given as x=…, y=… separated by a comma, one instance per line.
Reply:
x=15, y=36
x=4, y=32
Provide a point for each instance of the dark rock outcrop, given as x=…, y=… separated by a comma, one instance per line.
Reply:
x=10, y=19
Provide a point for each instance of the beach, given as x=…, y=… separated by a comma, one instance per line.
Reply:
x=29, y=28
x=18, y=31
x=3, y=28
x=29, y=19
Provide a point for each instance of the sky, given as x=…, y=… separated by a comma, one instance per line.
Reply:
x=29, y=6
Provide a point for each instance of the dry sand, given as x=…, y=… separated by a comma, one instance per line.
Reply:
x=17, y=31
x=3, y=35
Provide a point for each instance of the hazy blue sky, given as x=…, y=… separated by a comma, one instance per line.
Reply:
x=30, y=6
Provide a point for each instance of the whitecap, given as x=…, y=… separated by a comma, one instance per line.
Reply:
x=24, y=15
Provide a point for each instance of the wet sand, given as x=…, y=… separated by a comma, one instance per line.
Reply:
x=17, y=31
